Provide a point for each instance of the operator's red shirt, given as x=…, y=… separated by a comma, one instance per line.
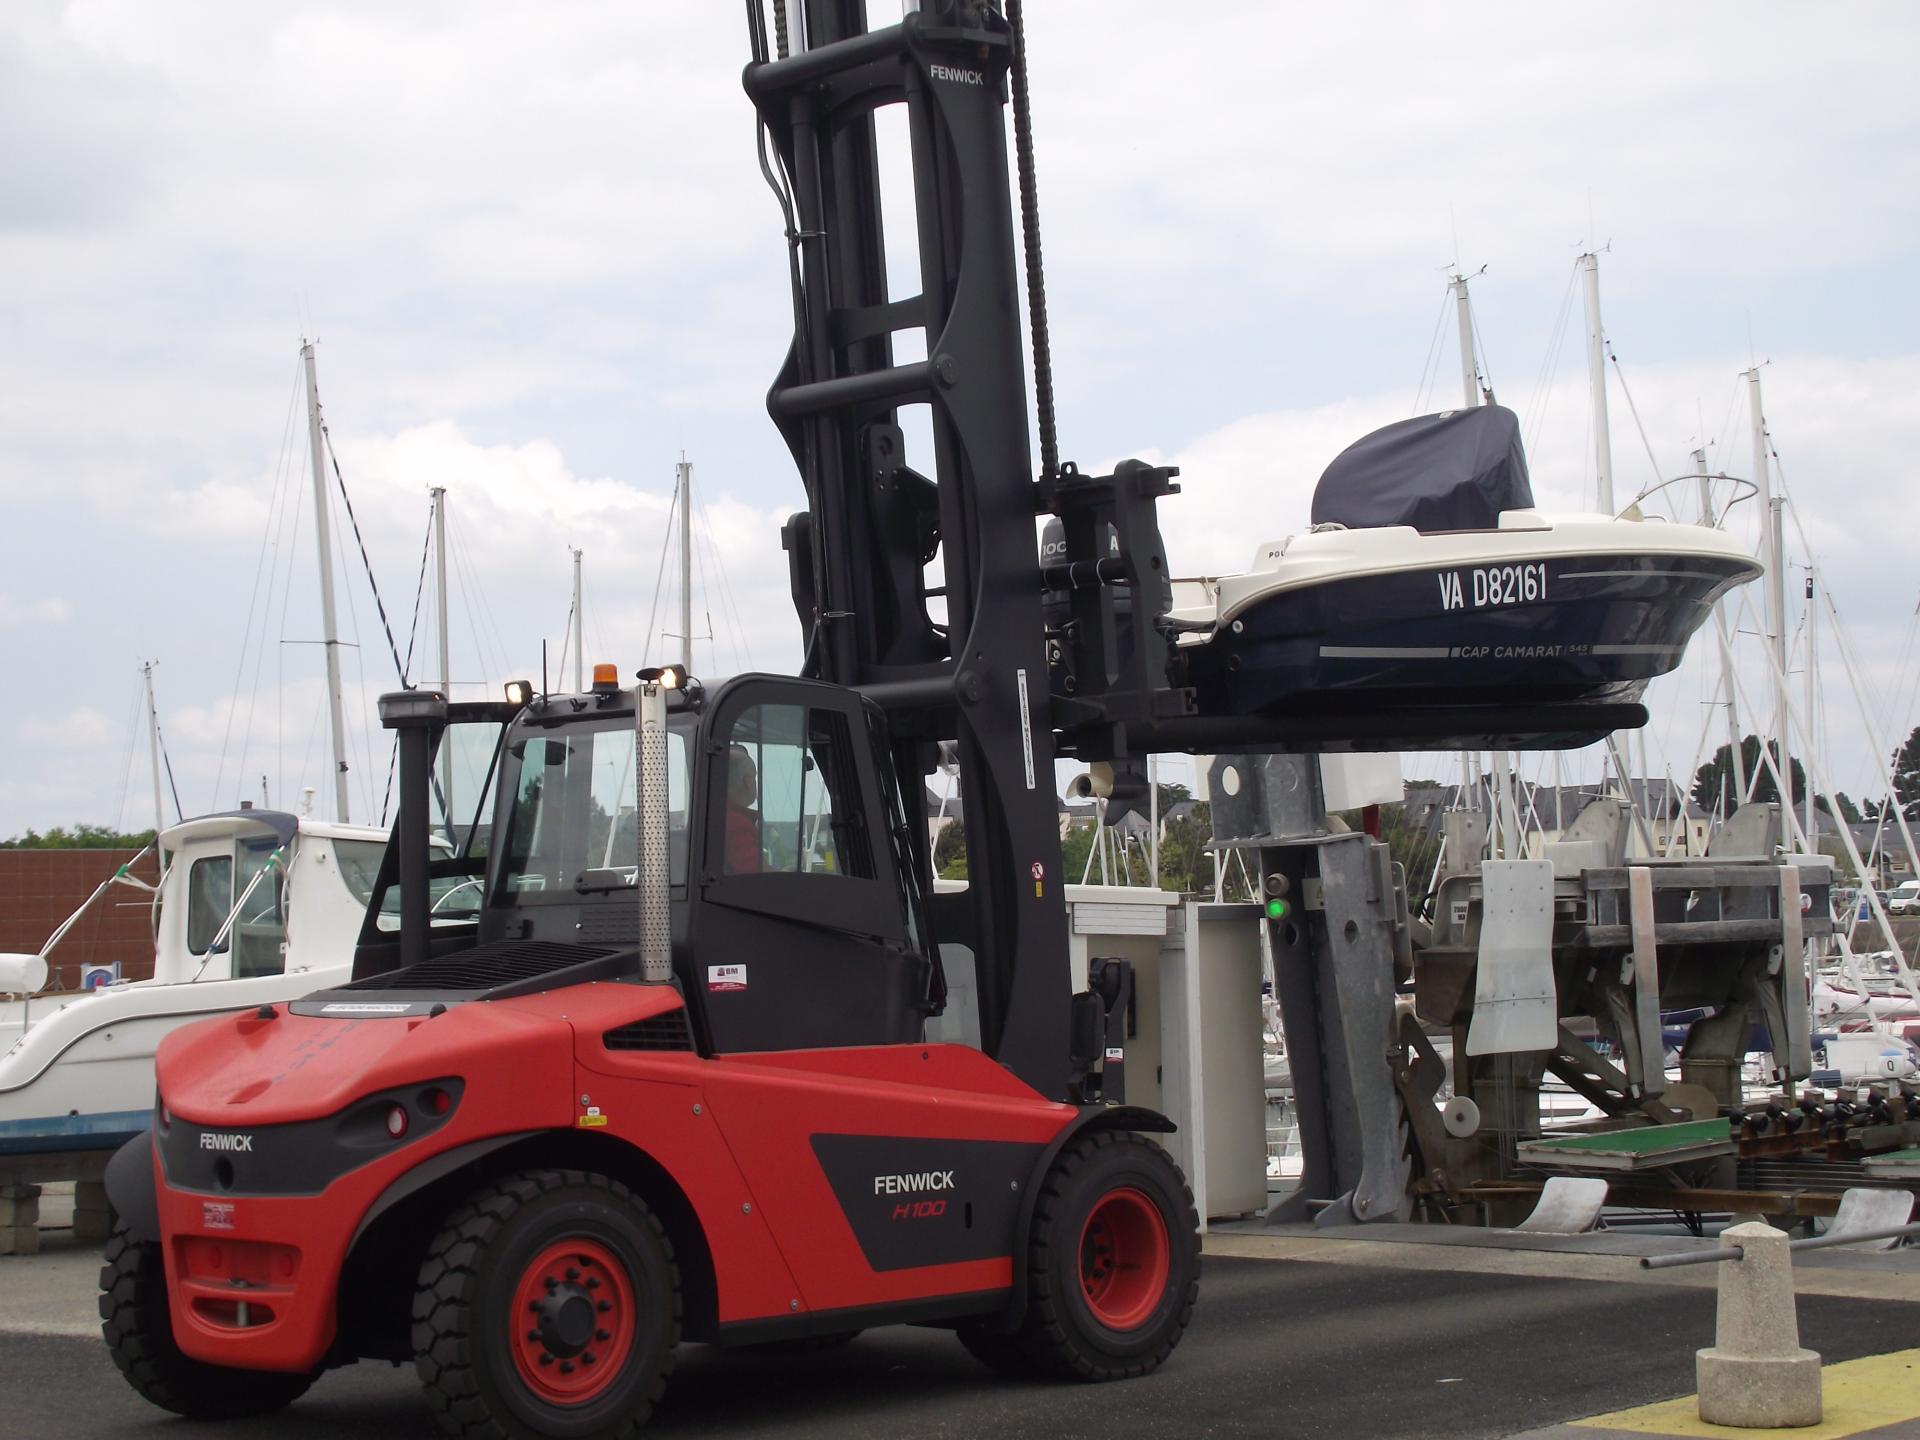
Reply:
x=743, y=841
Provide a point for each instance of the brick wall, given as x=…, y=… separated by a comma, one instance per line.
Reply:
x=40, y=888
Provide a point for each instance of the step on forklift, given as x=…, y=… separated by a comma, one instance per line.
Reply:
x=643, y=1049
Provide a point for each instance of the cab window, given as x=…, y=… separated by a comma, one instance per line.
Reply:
x=792, y=798
x=574, y=825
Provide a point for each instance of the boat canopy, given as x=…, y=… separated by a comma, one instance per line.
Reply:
x=1453, y=471
x=277, y=823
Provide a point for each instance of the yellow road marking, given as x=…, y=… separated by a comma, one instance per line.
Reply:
x=1857, y=1395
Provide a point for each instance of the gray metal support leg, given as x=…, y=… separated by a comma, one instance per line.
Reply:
x=19, y=1219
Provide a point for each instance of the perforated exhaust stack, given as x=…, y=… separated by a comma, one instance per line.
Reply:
x=656, y=922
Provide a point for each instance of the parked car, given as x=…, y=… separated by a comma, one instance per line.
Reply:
x=1905, y=899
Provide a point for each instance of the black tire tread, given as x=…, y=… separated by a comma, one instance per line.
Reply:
x=139, y=1335
x=443, y=1313
x=1045, y=1342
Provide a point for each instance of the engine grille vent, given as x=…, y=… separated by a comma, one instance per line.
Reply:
x=657, y=1032
x=486, y=968
x=610, y=925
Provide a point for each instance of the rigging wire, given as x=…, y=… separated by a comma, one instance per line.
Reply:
x=266, y=534
x=340, y=480
x=590, y=613
x=413, y=635
x=729, y=605
x=1483, y=379
x=419, y=600
x=160, y=741
x=713, y=579
x=660, y=574
x=306, y=755
x=566, y=635
x=290, y=506
x=1873, y=709
x=706, y=592
x=357, y=732
x=463, y=574
x=133, y=744
x=498, y=661
x=1433, y=348
x=1538, y=406
x=1634, y=410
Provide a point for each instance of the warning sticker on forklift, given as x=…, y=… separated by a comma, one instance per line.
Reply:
x=216, y=1215
x=726, y=977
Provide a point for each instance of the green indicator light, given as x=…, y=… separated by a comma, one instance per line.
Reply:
x=1276, y=909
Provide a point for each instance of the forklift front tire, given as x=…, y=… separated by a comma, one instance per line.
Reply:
x=547, y=1306
x=1113, y=1261
x=139, y=1330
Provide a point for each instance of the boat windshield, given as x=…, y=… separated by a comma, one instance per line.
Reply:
x=455, y=897
x=573, y=827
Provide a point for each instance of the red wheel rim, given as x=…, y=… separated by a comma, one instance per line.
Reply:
x=572, y=1321
x=1124, y=1258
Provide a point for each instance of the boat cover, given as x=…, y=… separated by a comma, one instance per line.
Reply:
x=1453, y=471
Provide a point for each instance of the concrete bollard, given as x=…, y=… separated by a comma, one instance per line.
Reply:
x=1756, y=1375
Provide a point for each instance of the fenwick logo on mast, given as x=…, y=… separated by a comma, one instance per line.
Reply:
x=956, y=75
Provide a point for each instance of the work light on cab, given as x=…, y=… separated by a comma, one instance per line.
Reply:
x=667, y=677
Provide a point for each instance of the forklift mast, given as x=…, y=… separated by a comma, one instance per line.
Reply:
x=978, y=676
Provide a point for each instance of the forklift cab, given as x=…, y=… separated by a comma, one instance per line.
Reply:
x=799, y=917
x=806, y=910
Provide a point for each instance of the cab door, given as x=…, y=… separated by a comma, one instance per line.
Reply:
x=799, y=933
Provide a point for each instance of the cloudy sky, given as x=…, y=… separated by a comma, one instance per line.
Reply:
x=540, y=263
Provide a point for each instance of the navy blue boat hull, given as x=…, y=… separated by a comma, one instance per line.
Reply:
x=1566, y=630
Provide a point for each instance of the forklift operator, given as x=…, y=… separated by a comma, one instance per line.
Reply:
x=743, y=822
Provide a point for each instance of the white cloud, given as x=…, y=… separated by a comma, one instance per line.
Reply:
x=81, y=729
x=48, y=610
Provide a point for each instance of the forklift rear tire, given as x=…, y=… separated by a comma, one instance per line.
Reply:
x=139, y=1330
x=547, y=1306
x=1113, y=1261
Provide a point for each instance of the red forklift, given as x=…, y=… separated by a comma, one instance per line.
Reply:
x=644, y=1055
x=651, y=1045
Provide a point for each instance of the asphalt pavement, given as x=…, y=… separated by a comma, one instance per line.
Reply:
x=1277, y=1348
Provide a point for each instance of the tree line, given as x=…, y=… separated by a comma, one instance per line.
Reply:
x=79, y=837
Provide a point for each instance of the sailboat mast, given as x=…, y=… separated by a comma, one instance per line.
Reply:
x=1807, y=730
x=579, y=631
x=1708, y=519
x=686, y=564
x=1773, y=551
x=1597, y=379
x=153, y=749
x=316, y=439
x=437, y=497
x=1469, y=373
x=1506, y=818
